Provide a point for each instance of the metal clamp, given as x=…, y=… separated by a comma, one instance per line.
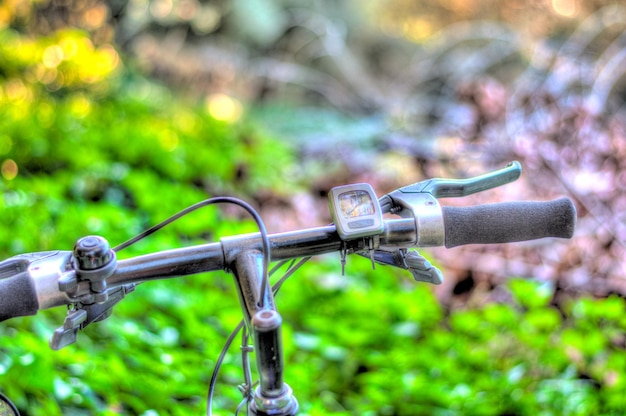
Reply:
x=425, y=209
x=86, y=286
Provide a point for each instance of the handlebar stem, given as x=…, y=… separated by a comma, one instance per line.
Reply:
x=247, y=267
x=273, y=396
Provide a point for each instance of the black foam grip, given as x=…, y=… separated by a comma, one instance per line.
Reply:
x=17, y=296
x=508, y=222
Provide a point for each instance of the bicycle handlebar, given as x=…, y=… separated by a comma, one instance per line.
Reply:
x=21, y=294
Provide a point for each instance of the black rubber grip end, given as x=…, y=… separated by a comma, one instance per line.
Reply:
x=17, y=296
x=509, y=222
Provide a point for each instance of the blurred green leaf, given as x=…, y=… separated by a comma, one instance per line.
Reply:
x=531, y=294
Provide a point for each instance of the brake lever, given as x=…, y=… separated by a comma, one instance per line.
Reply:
x=421, y=269
x=84, y=315
x=453, y=188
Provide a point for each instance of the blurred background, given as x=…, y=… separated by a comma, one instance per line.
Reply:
x=116, y=114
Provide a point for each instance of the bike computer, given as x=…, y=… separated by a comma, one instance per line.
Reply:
x=355, y=211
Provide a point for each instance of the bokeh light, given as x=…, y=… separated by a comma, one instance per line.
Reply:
x=9, y=169
x=53, y=56
x=565, y=8
x=79, y=106
x=224, y=108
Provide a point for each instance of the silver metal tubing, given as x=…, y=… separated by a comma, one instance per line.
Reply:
x=247, y=267
x=170, y=263
x=212, y=257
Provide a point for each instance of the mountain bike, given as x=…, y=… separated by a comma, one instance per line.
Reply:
x=89, y=280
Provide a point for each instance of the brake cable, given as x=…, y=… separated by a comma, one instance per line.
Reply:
x=264, y=281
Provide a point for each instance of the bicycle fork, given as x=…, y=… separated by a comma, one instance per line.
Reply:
x=272, y=396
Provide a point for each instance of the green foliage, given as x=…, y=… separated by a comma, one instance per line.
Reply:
x=400, y=354
x=118, y=149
